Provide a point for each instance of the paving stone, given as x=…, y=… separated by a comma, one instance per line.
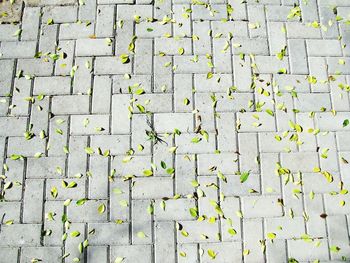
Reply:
x=21, y=146
x=111, y=65
x=256, y=206
x=35, y=67
x=253, y=122
x=196, y=229
x=76, y=31
x=302, y=161
x=185, y=144
x=88, y=209
x=169, y=122
x=8, y=32
x=9, y=255
x=93, y=47
x=226, y=252
x=174, y=210
x=128, y=12
x=104, y=21
x=53, y=254
x=320, y=48
x=307, y=251
x=145, y=188
x=23, y=49
x=132, y=253
x=89, y=124
x=30, y=23
x=25, y=235
x=14, y=126
x=33, y=201
x=52, y=85
x=165, y=244
x=60, y=14
x=109, y=234
x=78, y=104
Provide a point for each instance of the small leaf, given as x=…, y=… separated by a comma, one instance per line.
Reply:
x=148, y=172
x=141, y=234
x=89, y=150
x=244, y=176
x=75, y=234
x=271, y=236
x=119, y=260
x=212, y=254
x=102, y=208
x=232, y=232
x=124, y=58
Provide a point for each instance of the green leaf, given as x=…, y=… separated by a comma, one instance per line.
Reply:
x=119, y=260
x=75, y=234
x=334, y=249
x=139, y=91
x=16, y=157
x=81, y=201
x=232, y=232
x=147, y=172
x=163, y=164
x=212, y=254
x=89, y=150
x=54, y=192
x=141, y=234
x=72, y=185
x=49, y=21
x=271, y=236
x=346, y=123
x=194, y=211
x=244, y=176
x=124, y=58
x=102, y=208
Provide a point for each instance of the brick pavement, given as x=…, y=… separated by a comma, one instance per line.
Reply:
x=175, y=131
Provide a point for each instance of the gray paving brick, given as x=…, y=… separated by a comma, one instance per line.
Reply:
x=78, y=104
x=93, y=47
x=35, y=67
x=256, y=206
x=23, y=49
x=111, y=65
x=33, y=201
x=60, y=14
x=132, y=253
x=52, y=85
x=96, y=124
x=7, y=67
x=21, y=146
x=307, y=251
x=53, y=254
x=90, y=211
x=76, y=31
x=7, y=32
x=145, y=188
x=135, y=166
x=30, y=23
x=320, y=48
x=109, y=234
x=48, y=38
x=104, y=22
x=24, y=235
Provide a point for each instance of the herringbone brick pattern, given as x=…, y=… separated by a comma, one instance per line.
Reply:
x=175, y=131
